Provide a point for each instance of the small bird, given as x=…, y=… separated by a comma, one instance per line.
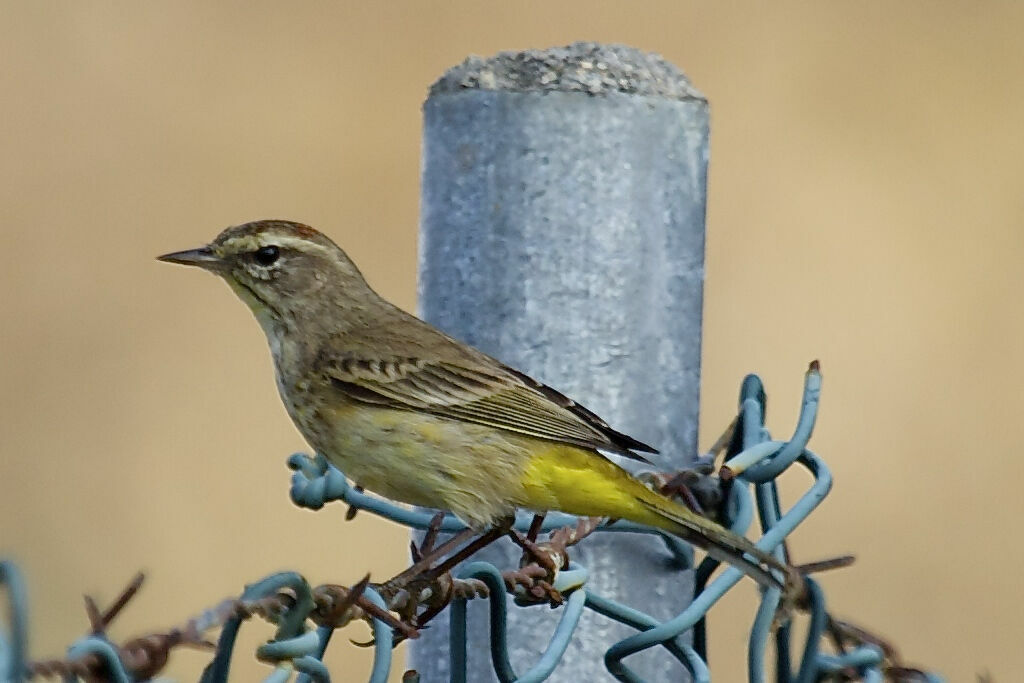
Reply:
x=414, y=415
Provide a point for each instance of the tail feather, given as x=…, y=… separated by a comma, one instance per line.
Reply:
x=716, y=540
x=570, y=479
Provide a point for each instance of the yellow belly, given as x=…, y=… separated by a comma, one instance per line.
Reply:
x=480, y=473
x=472, y=470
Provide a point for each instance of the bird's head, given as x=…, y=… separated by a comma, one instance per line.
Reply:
x=284, y=271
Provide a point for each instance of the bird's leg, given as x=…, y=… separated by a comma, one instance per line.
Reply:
x=422, y=570
x=529, y=544
x=432, y=586
x=531, y=549
x=422, y=564
x=535, y=526
x=693, y=484
x=679, y=485
x=553, y=554
x=412, y=581
x=479, y=543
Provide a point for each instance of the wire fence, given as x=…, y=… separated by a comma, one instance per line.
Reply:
x=306, y=617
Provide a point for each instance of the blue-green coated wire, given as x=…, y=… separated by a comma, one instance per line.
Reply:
x=310, y=673
x=863, y=657
x=808, y=672
x=572, y=610
x=489, y=574
x=292, y=622
x=767, y=497
x=730, y=577
x=13, y=652
x=559, y=641
x=457, y=641
x=803, y=507
x=791, y=450
x=783, y=667
x=872, y=676
x=289, y=648
x=219, y=667
x=739, y=511
x=95, y=645
x=769, y=513
x=280, y=674
x=312, y=670
x=753, y=454
x=290, y=625
x=624, y=614
x=383, y=641
x=759, y=634
x=752, y=461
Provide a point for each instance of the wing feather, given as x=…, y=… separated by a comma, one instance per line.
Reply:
x=494, y=396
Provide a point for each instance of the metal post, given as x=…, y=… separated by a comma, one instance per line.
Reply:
x=562, y=231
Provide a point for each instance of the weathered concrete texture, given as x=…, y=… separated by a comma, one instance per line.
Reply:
x=562, y=231
x=590, y=68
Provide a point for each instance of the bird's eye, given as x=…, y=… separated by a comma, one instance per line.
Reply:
x=265, y=256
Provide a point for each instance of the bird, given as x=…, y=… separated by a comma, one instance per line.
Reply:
x=414, y=415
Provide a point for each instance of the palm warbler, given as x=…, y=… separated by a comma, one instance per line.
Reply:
x=416, y=416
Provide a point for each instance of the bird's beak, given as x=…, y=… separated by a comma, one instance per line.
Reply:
x=202, y=257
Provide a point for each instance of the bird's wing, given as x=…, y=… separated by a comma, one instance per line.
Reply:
x=494, y=396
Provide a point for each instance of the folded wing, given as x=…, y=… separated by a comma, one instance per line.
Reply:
x=496, y=396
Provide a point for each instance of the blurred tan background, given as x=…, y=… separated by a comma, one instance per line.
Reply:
x=865, y=208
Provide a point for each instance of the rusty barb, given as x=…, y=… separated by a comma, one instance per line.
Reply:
x=416, y=595
x=142, y=657
x=145, y=656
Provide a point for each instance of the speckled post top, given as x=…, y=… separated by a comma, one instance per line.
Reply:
x=590, y=68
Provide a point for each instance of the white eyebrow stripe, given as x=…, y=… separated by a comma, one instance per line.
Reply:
x=264, y=239
x=296, y=243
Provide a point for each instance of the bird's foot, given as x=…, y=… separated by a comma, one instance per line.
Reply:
x=548, y=555
x=531, y=586
x=534, y=581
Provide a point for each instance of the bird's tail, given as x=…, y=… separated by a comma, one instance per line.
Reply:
x=714, y=539
x=572, y=480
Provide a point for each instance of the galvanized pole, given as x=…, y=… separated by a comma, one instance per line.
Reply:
x=562, y=231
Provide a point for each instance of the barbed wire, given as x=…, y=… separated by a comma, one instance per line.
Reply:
x=306, y=617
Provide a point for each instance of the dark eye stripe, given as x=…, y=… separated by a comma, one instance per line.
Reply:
x=266, y=256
